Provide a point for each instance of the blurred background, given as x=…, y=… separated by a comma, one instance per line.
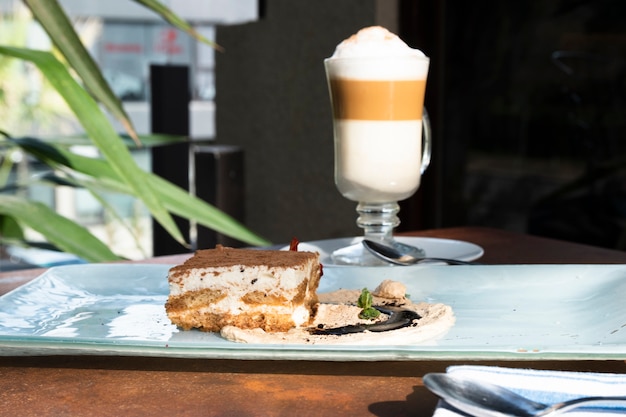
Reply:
x=527, y=101
x=533, y=117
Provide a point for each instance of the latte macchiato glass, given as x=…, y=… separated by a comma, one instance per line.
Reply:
x=382, y=143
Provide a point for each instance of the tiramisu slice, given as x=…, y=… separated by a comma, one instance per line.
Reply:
x=247, y=288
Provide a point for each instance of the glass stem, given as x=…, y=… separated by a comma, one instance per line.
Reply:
x=378, y=220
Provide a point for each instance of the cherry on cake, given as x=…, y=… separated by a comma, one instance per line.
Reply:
x=250, y=289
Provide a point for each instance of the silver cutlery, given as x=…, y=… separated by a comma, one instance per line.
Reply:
x=395, y=256
x=482, y=399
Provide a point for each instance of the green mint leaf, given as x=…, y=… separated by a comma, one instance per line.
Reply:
x=365, y=301
x=369, y=313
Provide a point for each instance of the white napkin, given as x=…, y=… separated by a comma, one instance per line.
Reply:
x=547, y=387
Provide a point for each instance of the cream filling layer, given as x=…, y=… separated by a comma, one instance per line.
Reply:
x=235, y=284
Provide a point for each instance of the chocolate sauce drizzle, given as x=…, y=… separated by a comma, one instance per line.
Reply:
x=398, y=318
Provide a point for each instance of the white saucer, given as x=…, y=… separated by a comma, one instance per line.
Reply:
x=434, y=247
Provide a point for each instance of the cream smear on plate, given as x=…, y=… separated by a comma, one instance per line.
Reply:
x=338, y=308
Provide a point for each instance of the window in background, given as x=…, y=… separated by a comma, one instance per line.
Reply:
x=124, y=39
x=533, y=117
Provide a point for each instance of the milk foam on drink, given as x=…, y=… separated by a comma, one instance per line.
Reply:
x=377, y=85
x=374, y=41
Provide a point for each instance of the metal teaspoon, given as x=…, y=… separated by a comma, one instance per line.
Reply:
x=482, y=399
x=392, y=255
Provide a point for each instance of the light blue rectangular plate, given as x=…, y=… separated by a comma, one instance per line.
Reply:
x=503, y=312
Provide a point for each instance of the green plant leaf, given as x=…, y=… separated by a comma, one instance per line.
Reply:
x=174, y=198
x=202, y=212
x=170, y=17
x=100, y=131
x=147, y=140
x=61, y=232
x=96, y=189
x=55, y=22
x=9, y=228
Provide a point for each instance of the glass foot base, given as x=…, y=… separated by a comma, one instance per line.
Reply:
x=357, y=254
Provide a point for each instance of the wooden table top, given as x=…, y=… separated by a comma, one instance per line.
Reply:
x=141, y=386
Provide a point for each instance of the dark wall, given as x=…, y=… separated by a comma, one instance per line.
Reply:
x=272, y=100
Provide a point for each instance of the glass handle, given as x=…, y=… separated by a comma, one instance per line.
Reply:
x=427, y=142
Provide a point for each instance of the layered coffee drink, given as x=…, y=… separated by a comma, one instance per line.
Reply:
x=377, y=85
